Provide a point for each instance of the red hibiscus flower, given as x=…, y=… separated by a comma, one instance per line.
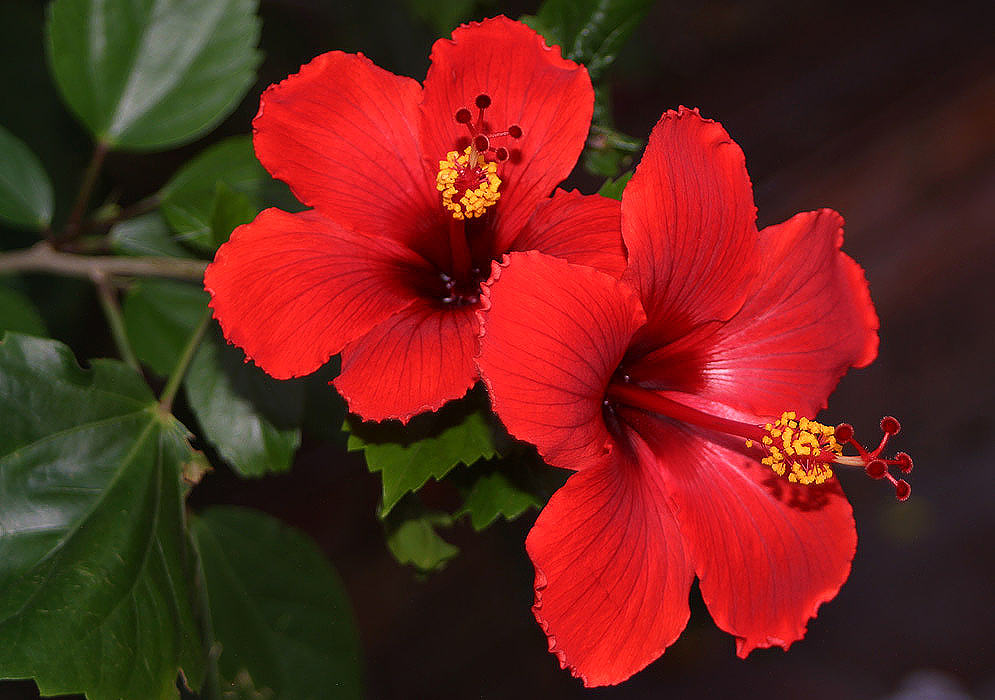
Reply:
x=413, y=191
x=668, y=392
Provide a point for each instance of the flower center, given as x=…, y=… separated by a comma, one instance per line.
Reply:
x=468, y=181
x=800, y=449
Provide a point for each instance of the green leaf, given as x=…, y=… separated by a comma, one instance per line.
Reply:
x=281, y=617
x=159, y=317
x=18, y=314
x=614, y=188
x=147, y=234
x=430, y=446
x=251, y=418
x=589, y=31
x=415, y=541
x=495, y=495
x=25, y=190
x=148, y=74
x=94, y=557
x=229, y=209
x=190, y=199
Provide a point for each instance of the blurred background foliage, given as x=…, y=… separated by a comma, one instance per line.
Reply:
x=884, y=111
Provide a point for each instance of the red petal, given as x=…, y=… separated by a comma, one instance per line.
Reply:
x=612, y=574
x=293, y=289
x=530, y=85
x=688, y=222
x=811, y=320
x=413, y=362
x=553, y=335
x=343, y=134
x=767, y=552
x=582, y=229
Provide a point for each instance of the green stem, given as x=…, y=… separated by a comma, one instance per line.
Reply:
x=42, y=257
x=112, y=310
x=176, y=378
x=86, y=189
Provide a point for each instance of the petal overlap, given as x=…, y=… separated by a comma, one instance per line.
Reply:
x=549, y=390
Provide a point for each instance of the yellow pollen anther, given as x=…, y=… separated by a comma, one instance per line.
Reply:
x=794, y=448
x=468, y=189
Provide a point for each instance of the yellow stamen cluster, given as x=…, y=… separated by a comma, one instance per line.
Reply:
x=483, y=178
x=791, y=445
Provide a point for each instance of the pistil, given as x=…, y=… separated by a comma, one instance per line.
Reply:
x=797, y=448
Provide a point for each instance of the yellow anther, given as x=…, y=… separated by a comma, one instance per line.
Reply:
x=794, y=448
x=478, y=182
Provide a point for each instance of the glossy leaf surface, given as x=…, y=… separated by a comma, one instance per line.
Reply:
x=25, y=190
x=94, y=557
x=281, y=617
x=148, y=74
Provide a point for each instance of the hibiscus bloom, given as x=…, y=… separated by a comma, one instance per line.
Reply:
x=413, y=191
x=668, y=393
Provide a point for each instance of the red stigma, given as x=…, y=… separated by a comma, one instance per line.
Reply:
x=480, y=137
x=876, y=466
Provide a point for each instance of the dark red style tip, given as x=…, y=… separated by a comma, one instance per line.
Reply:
x=876, y=466
x=515, y=131
x=876, y=469
x=501, y=153
x=904, y=462
x=902, y=490
x=483, y=101
x=463, y=116
x=481, y=143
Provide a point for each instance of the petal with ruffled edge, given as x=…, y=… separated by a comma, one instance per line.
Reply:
x=612, y=573
x=689, y=226
x=767, y=552
x=530, y=85
x=582, y=229
x=810, y=320
x=293, y=289
x=413, y=362
x=342, y=133
x=553, y=334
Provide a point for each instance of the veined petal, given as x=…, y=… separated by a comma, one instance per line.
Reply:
x=293, y=289
x=767, y=552
x=808, y=322
x=553, y=335
x=582, y=229
x=412, y=362
x=530, y=85
x=612, y=573
x=689, y=226
x=343, y=134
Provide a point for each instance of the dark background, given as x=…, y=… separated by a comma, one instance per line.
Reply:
x=883, y=111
